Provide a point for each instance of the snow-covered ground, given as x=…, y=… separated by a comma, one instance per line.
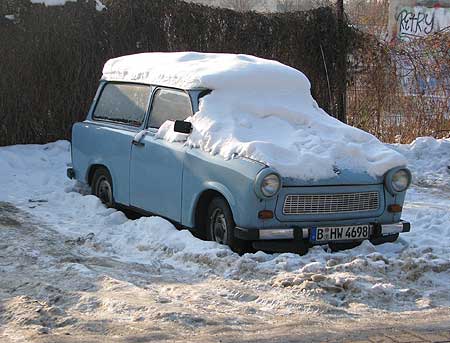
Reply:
x=68, y=263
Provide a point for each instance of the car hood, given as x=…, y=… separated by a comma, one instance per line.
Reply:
x=342, y=177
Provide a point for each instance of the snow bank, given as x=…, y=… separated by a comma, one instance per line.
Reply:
x=429, y=160
x=260, y=109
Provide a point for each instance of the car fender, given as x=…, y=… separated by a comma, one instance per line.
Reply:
x=222, y=189
x=214, y=186
x=101, y=162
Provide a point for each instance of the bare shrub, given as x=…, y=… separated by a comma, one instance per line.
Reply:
x=369, y=16
x=300, y=5
x=401, y=92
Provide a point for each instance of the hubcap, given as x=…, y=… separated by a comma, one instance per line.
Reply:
x=219, y=227
x=104, y=191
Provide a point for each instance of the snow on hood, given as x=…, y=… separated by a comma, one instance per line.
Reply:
x=260, y=109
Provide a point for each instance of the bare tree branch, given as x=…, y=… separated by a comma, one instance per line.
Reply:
x=300, y=5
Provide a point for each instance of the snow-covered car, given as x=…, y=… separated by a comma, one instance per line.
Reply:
x=236, y=148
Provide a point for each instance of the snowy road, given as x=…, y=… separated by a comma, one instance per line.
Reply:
x=71, y=269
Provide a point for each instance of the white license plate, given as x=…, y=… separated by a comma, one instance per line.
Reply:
x=340, y=233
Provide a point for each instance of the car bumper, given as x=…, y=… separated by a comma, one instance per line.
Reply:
x=303, y=234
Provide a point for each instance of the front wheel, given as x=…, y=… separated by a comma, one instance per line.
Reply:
x=220, y=226
x=102, y=186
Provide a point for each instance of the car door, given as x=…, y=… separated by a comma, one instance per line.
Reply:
x=105, y=138
x=156, y=165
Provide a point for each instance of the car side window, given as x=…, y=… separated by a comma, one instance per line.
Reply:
x=169, y=104
x=124, y=103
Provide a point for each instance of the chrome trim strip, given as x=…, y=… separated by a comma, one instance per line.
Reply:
x=276, y=234
x=390, y=229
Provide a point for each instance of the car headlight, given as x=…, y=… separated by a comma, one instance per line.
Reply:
x=400, y=180
x=270, y=185
x=397, y=180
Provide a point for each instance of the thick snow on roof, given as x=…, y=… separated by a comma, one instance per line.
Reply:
x=260, y=109
x=215, y=71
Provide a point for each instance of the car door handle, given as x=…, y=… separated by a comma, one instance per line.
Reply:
x=137, y=140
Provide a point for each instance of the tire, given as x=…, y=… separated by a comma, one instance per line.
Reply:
x=384, y=239
x=102, y=186
x=220, y=226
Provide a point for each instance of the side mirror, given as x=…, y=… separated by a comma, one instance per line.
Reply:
x=182, y=126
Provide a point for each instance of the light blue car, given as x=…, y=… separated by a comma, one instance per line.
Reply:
x=239, y=202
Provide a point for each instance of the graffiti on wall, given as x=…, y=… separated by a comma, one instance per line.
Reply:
x=420, y=21
x=411, y=19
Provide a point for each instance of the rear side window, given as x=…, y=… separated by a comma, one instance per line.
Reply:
x=123, y=103
x=169, y=104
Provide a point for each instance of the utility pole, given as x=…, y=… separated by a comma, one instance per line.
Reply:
x=341, y=63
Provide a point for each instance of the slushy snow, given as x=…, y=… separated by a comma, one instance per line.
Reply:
x=260, y=109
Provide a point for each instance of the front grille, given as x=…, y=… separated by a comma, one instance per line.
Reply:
x=331, y=203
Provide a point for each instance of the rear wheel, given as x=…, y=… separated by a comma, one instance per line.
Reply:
x=220, y=226
x=102, y=186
